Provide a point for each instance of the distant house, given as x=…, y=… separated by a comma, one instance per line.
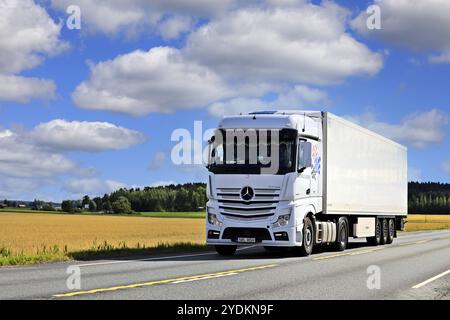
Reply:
x=2, y=205
x=21, y=205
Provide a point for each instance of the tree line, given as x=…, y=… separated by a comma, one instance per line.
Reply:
x=186, y=197
x=429, y=198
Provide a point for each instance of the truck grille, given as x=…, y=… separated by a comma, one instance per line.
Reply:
x=262, y=205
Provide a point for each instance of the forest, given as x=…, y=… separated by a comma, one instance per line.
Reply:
x=429, y=198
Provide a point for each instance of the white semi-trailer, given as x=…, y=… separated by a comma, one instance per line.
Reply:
x=328, y=179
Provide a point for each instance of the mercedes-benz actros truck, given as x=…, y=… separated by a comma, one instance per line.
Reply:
x=301, y=179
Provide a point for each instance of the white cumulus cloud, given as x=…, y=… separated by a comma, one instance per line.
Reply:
x=24, y=89
x=420, y=25
x=92, y=186
x=419, y=129
x=305, y=43
x=27, y=36
x=84, y=136
x=140, y=82
x=296, y=98
x=132, y=16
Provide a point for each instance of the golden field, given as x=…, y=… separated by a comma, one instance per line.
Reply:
x=29, y=233
x=418, y=222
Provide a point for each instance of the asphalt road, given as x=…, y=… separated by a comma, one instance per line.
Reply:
x=415, y=266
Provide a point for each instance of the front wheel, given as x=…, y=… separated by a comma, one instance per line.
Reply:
x=342, y=235
x=226, y=250
x=308, y=238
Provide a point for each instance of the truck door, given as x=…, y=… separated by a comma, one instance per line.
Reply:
x=316, y=168
x=304, y=170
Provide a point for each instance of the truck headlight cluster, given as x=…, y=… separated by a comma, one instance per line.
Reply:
x=212, y=218
x=282, y=221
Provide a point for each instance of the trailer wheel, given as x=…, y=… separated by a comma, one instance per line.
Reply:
x=342, y=235
x=376, y=240
x=391, y=231
x=384, y=231
x=308, y=238
x=225, y=250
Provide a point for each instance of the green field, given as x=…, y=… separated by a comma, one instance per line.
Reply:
x=195, y=215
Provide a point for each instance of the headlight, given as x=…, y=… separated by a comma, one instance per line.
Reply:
x=282, y=221
x=212, y=219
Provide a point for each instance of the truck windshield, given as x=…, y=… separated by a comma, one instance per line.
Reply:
x=250, y=151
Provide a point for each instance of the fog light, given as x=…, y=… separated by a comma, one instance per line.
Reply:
x=282, y=221
x=281, y=236
x=212, y=234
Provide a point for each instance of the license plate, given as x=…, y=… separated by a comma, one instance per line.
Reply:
x=246, y=240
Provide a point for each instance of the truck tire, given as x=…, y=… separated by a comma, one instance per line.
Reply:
x=391, y=231
x=308, y=238
x=225, y=250
x=374, y=241
x=342, y=235
x=384, y=231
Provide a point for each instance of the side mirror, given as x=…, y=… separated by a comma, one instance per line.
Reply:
x=304, y=156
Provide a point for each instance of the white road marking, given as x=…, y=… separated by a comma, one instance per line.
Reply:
x=154, y=259
x=417, y=286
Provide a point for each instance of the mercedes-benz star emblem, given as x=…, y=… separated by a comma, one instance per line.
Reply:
x=247, y=193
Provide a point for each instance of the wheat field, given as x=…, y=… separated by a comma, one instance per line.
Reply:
x=417, y=222
x=28, y=233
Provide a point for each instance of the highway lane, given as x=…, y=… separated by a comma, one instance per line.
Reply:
x=415, y=266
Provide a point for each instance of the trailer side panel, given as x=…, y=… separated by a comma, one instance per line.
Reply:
x=365, y=173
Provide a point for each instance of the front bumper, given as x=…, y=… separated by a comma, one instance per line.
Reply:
x=264, y=235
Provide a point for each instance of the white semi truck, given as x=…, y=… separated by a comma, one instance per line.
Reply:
x=332, y=180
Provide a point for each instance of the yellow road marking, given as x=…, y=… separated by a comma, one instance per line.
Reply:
x=422, y=241
x=151, y=283
x=352, y=253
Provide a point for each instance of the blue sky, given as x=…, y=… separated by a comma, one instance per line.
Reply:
x=237, y=57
